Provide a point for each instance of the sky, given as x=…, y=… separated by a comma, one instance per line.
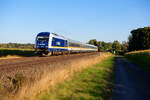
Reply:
x=82, y=20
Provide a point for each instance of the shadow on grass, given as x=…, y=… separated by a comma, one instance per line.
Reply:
x=141, y=59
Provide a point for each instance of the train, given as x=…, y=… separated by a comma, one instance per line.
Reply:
x=47, y=43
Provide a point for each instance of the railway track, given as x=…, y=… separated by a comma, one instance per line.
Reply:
x=32, y=61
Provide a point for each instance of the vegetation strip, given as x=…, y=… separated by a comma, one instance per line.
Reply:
x=141, y=58
x=93, y=83
x=4, y=52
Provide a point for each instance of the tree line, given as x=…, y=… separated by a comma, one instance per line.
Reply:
x=17, y=45
x=138, y=40
x=114, y=47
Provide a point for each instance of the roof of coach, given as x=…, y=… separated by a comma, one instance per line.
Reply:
x=58, y=36
x=74, y=41
x=92, y=45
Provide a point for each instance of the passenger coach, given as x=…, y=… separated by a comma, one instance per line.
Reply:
x=50, y=43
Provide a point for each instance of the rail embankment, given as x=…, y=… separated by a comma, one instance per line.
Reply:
x=141, y=58
x=27, y=80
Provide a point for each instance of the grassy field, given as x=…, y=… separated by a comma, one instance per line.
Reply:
x=4, y=52
x=93, y=83
x=141, y=58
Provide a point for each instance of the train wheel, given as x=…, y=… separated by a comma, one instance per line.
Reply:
x=41, y=54
x=50, y=54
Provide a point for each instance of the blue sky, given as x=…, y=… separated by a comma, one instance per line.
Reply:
x=82, y=20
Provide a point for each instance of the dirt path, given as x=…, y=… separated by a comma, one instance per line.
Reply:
x=131, y=82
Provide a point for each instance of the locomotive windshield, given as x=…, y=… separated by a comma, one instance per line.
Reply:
x=42, y=38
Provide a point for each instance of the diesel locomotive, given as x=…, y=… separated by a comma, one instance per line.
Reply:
x=50, y=44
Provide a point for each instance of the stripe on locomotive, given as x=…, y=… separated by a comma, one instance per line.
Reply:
x=58, y=47
x=62, y=50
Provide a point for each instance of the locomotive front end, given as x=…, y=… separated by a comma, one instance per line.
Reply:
x=42, y=41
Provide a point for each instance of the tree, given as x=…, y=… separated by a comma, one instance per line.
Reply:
x=93, y=42
x=139, y=39
x=102, y=46
x=16, y=45
x=116, y=46
x=124, y=46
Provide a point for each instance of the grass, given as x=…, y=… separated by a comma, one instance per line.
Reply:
x=4, y=52
x=32, y=81
x=141, y=58
x=93, y=83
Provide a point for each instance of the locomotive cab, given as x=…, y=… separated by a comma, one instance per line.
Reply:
x=42, y=41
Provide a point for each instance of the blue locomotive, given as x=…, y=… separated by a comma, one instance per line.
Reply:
x=50, y=43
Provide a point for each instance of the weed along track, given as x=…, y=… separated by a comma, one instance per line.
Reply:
x=27, y=77
x=19, y=62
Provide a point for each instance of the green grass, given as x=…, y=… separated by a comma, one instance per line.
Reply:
x=18, y=52
x=141, y=58
x=93, y=83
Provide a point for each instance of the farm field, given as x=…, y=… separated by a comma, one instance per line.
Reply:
x=16, y=52
x=27, y=77
x=141, y=58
